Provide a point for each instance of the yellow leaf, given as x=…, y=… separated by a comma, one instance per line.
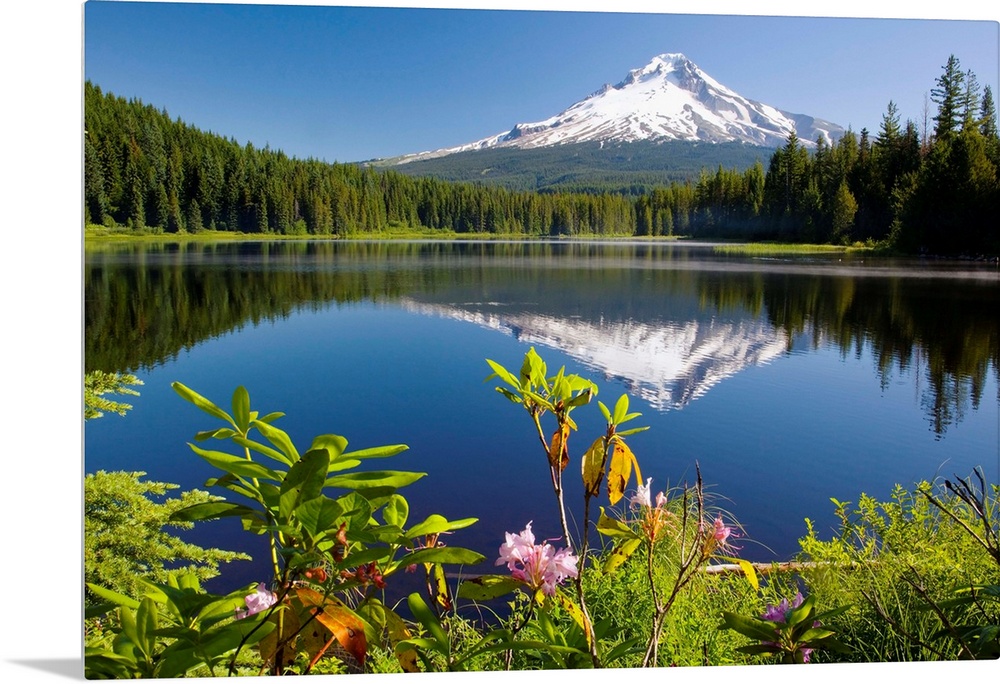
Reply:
x=635, y=463
x=559, y=449
x=442, y=596
x=620, y=471
x=576, y=613
x=620, y=554
x=593, y=467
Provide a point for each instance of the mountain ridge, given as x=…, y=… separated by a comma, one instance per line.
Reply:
x=668, y=99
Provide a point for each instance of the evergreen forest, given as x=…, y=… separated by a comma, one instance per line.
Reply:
x=923, y=188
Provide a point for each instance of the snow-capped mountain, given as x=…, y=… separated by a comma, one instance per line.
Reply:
x=668, y=99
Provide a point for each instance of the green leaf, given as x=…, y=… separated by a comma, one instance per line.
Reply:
x=436, y=524
x=580, y=399
x=236, y=465
x=335, y=444
x=375, y=478
x=396, y=511
x=540, y=400
x=631, y=431
x=621, y=409
x=319, y=515
x=270, y=417
x=145, y=626
x=453, y=555
x=487, y=587
x=815, y=634
x=278, y=438
x=611, y=527
x=802, y=614
x=502, y=373
x=514, y=398
x=127, y=620
x=376, y=452
x=263, y=449
x=430, y=622
x=759, y=630
x=343, y=464
x=759, y=649
x=201, y=402
x=241, y=409
x=211, y=510
x=304, y=481
x=113, y=596
x=220, y=433
x=605, y=411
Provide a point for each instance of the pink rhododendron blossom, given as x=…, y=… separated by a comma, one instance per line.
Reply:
x=259, y=601
x=539, y=566
x=779, y=613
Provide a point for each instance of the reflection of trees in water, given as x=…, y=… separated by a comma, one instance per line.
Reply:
x=943, y=331
x=145, y=304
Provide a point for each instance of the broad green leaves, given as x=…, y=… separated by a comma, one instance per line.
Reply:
x=318, y=510
x=173, y=630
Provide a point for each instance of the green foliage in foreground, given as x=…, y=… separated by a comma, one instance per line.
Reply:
x=125, y=540
x=921, y=571
x=98, y=383
x=914, y=578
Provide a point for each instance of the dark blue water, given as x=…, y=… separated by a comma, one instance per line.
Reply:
x=787, y=381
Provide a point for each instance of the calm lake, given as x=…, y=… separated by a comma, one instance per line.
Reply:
x=787, y=380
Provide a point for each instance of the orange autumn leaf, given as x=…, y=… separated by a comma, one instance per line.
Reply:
x=559, y=448
x=339, y=620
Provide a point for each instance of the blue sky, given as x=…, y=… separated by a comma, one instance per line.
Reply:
x=353, y=83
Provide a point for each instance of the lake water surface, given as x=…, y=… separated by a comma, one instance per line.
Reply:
x=788, y=381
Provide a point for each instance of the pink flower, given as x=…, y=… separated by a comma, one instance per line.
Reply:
x=717, y=537
x=539, y=566
x=259, y=601
x=779, y=614
x=641, y=496
x=721, y=532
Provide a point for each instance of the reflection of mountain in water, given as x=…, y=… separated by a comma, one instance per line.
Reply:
x=667, y=363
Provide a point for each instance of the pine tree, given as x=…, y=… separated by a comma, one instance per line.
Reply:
x=889, y=130
x=948, y=96
x=844, y=209
x=988, y=115
x=970, y=101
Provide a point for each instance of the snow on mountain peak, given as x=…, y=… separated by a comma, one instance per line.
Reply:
x=669, y=98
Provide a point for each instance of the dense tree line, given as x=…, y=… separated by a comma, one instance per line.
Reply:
x=917, y=190
x=146, y=171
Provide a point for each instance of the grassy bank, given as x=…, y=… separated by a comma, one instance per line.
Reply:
x=779, y=248
x=95, y=233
